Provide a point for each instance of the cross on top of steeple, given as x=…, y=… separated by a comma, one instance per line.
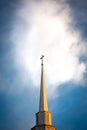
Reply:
x=42, y=59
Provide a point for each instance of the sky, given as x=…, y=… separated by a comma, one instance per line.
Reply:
x=57, y=29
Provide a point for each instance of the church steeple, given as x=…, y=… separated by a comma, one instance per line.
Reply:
x=43, y=106
x=43, y=117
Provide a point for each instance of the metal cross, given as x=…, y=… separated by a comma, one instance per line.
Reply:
x=42, y=58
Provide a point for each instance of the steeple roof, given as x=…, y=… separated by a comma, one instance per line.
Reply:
x=43, y=106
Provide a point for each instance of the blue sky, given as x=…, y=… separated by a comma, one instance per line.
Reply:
x=19, y=94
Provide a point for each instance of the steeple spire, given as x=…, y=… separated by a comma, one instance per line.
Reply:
x=43, y=117
x=43, y=106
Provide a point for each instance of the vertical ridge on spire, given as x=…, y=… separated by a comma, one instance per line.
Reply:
x=43, y=106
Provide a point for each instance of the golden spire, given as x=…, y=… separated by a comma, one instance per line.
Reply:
x=43, y=106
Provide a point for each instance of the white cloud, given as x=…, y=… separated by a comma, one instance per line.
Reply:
x=46, y=27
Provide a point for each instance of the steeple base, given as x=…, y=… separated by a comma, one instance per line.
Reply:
x=43, y=117
x=43, y=127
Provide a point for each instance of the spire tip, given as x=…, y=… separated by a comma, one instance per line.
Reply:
x=42, y=59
